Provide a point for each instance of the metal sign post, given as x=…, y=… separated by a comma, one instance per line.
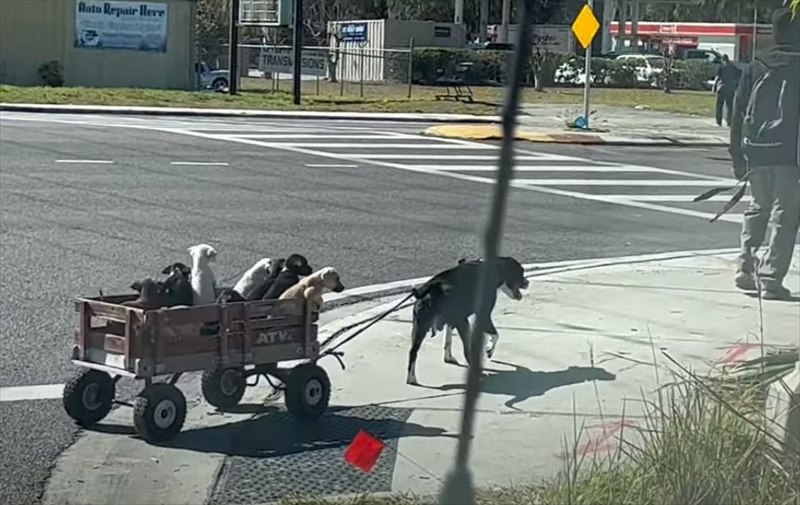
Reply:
x=585, y=28
x=458, y=487
x=298, y=50
x=233, y=53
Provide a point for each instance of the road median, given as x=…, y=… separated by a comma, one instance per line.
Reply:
x=484, y=132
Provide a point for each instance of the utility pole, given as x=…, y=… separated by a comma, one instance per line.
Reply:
x=233, y=49
x=458, y=12
x=298, y=51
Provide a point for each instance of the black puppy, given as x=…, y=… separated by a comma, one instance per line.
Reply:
x=229, y=296
x=296, y=266
x=449, y=298
x=177, y=285
x=277, y=267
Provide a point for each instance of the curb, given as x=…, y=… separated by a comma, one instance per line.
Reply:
x=350, y=297
x=247, y=113
x=493, y=132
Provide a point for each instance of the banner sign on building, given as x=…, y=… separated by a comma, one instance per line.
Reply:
x=354, y=32
x=279, y=60
x=137, y=26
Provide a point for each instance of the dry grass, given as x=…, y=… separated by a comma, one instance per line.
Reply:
x=258, y=94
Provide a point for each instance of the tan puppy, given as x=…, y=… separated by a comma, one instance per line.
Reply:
x=313, y=286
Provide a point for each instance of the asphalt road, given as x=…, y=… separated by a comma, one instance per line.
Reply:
x=90, y=203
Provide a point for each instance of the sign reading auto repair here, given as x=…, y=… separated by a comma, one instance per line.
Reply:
x=136, y=26
x=279, y=60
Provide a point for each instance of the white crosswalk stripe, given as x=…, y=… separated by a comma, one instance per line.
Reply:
x=353, y=145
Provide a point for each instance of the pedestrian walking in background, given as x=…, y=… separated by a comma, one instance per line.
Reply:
x=726, y=83
x=765, y=148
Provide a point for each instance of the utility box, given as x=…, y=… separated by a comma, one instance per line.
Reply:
x=364, y=47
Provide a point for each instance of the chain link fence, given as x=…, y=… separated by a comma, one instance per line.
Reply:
x=329, y=72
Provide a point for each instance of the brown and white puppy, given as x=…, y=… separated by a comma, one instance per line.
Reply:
x=313, y=286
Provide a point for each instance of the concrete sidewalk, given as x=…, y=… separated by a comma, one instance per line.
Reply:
x=579, y=347
x=614, y=126
x=578, y=350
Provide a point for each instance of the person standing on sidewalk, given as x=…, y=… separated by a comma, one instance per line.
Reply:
x=765, y=148
x=726, y=83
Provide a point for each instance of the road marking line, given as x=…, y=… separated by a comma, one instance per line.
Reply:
x=476, y=157
x=312, y=136
x=547, y=168
x=95, y=162
x=471, y=178
x=675, y=198
x=41, y=392
x=365, y=145
x=621, y=182
x=329, y=165
x=200, y=163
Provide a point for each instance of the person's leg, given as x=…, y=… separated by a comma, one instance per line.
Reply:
x=754, y=226
x=728, y=107
x=719, y=103
x=786, y=220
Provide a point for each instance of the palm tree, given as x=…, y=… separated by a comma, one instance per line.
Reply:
x=795, y=7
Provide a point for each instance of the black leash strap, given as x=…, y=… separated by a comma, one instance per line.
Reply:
x=742, y=185
x=333, y=351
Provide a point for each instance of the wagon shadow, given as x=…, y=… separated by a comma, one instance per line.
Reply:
x=274, y=432
x=522, y=383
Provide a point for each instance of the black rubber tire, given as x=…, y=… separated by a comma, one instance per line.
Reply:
x=308, y=392
x=75, y=397
x=157, y=403
x=219, y=83
x=211, y=383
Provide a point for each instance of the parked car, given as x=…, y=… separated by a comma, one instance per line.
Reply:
x=217, y=80
x=646, y=66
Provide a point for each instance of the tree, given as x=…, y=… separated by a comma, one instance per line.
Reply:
x=212, y=28
x=795, y=6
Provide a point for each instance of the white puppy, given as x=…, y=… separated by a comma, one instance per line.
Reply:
x=204, y=283
x=254, y=278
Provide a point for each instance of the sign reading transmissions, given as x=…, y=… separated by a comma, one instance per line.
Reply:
x=137, y=26
x=279, y=60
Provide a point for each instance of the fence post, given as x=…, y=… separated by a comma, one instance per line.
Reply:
x=361, y=71
x=410, y=64
x=341, y=72
x=317, y=85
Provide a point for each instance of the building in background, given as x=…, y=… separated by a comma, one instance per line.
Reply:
x=99, y=43
x=364, y=45
x=554, y=38
x=734, y=40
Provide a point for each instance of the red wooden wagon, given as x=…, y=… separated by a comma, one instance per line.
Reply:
x=114, y=341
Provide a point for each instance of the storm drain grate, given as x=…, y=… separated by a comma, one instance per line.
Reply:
x=274, y=455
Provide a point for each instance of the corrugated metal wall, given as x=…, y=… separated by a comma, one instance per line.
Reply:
x=356, y=57
x=53, y=23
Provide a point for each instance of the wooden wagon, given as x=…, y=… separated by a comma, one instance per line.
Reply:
x=228, y=342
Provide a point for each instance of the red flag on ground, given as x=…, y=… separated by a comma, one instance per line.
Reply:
x=364, y=451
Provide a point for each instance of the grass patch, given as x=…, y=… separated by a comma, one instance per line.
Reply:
x=702, y=442
x=257, y=94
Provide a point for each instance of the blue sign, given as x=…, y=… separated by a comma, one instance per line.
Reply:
x=354, y=32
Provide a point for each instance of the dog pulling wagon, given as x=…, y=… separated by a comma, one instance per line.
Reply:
x=114, y=341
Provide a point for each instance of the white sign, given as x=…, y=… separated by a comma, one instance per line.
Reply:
x=280, y=60
x=137, y=26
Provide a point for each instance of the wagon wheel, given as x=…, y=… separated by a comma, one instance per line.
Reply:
x=88, y=396
x=223, y=388
x=159, y=412
x=308, y=391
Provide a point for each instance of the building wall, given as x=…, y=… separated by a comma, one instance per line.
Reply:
x=33, y=32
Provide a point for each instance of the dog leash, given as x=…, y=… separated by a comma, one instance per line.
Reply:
x=333, y=351
x=742, y=185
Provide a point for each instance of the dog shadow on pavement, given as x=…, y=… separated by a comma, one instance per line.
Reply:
x=522, y=383
x=274, y=432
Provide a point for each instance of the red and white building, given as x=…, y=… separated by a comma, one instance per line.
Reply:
x=735, y=40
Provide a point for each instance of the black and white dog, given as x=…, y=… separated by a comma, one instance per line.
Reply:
x=448, y=299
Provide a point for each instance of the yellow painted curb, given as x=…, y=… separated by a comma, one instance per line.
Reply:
x=494, y=132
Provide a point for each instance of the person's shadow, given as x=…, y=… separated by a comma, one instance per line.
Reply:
x=522, y=383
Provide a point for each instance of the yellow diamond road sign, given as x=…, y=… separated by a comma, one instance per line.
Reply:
x=585, y=26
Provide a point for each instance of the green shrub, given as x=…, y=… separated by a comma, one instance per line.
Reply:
x=52, y=74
